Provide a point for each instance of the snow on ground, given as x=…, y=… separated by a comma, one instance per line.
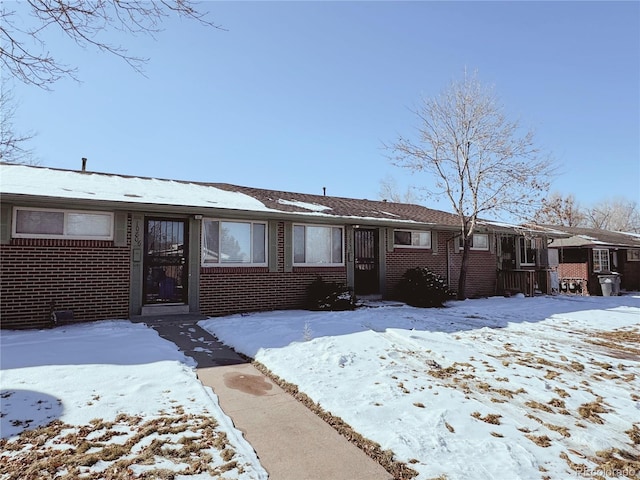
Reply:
x=518, y=388
x=110, y=384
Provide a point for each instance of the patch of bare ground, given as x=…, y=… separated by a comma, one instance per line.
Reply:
x=606, y=464
x=619, y=343
x=492, y=418
x=590, y=411
x=540, y=440
x=634, y=434
x=66, y=452
x=399, y=470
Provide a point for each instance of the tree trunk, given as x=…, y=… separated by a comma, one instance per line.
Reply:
x=462, y=280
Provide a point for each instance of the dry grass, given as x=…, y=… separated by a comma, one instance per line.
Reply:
x=540, y=440
x=591, y=410
x=67, y=452
x=556, y=402
x=538, y=406
x=634, y=434
x=616, y=460
x=551, y=374
x=492, y=418
x=443, y=372
x=564, y=431
x=622, y=343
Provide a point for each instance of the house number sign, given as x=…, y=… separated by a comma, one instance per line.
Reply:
x=137, y=233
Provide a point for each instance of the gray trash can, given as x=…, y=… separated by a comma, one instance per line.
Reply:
x=616, y=285
x=606, y=284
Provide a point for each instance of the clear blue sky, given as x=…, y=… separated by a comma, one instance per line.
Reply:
x=298, y=96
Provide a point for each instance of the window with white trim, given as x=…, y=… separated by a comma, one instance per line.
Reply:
x=528, y=252
x=411, y=239
x=479, y=241
x=601, y=260
x=318, y=245
x=67, y=224
x=234, y=242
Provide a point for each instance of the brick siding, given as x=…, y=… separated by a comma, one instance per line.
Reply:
x=228, y=290
x=481, y=276
x=87, y=276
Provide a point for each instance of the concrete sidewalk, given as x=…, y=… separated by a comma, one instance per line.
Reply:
x=291, y=442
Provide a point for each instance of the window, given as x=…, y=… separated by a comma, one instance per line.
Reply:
x=317, y=245
x=234, y=242
x=411, y=238
x=527, y=251
x=633, y=255
x=47, y=223
x=479, y=241
x=601, y=260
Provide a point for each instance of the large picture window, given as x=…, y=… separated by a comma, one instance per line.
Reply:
x=411, y=239
x=601, y=260
x=234, y=242
x=317, y=245
x=71, y=224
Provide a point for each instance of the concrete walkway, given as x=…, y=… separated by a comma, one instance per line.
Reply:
x=291, y=442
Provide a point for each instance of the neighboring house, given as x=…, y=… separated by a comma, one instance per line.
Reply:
x=589, y=254
x=114, y=246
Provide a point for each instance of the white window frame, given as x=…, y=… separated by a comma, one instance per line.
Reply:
x=65, y=228
x=601, y=253
x=472, y=238
x=206, y=263
x=412, y=232
x=532, y=245
x=308, y=264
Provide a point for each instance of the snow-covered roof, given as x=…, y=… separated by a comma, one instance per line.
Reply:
x=71, y=185
x=593, y=237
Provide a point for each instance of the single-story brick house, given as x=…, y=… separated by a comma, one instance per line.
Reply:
x=588, y=254
x=114, y=246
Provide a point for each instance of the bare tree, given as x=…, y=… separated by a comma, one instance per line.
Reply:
x=480, y=160
x=23, y=53
x=561, y=211
x=389, y=190
x=616, y=214
x=14, y=146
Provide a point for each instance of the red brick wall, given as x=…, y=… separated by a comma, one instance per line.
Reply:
x=573, y=270
x=401, y=259
x=87, y=276
x=481, y=276
x=227, y=290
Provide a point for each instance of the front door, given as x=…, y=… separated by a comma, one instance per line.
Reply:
x=366, y=278
x=165, y=261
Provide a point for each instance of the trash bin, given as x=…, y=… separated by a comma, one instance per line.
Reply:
x=616, y=285
x=606, y=284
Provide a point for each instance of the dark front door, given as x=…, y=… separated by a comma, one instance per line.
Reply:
x=366, y=279
x=165, y=261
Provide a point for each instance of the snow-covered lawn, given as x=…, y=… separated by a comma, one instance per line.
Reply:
x=111, y=400
x=517, y=388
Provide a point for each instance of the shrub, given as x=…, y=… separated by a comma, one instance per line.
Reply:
x=335, y=296
x=420, y=287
